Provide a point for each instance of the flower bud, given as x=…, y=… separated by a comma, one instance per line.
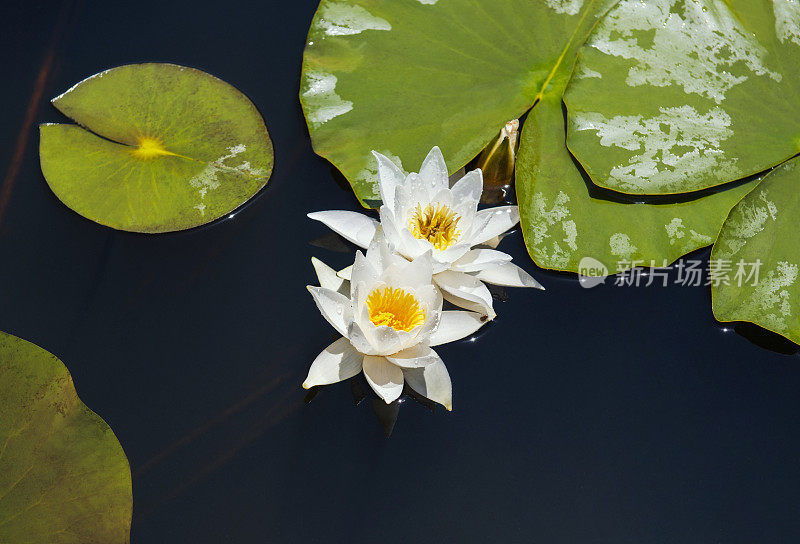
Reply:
x=497, y=163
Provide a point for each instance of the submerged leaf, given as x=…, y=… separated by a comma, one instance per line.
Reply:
x=757, y=256
x=159, y=148
x=63, y=475
x=672, y=96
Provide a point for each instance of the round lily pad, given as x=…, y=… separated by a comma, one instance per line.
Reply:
x=680, y=95
x=64, y=478
x=157, y=148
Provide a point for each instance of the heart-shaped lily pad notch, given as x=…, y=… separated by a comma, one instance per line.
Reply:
x=160, y=148
x=64, y=477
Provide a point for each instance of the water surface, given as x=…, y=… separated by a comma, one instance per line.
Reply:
x=610, y=415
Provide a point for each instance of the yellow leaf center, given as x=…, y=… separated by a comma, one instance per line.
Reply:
x=149, y=148
x=394, y=308
x=436, y=224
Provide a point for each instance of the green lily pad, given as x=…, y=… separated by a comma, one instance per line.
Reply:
x=761, y=228
x=402, y=76
x=64, y=478
x=159, y=148
x=680, y=95
x=562, y=224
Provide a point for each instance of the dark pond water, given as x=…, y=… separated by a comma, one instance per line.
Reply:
x=610, y=415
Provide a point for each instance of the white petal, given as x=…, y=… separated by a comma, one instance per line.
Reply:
x=465, y=291
x=355, y=227
x=430, y=297
x=478, y=259
x=432, y=381
x=363, y=272
x=493, y=222
x=408, y=339
x=358, y=299
x=443, y=196
x=470, y=305
x=379, y=254
x=388, y=226
x=455, y=325
x=389, y=177
x=327, y=276
x=385, y=378
x=508, y=275
x=469, y=187
x=412, y=247
x=414, y=357
x=416, y=273
x=345, y=273
x=404, y=200
x=334, y=307
x=452, y=253
x=359, y=339
x=385, y=340
x=434, y=170
x=338, y=362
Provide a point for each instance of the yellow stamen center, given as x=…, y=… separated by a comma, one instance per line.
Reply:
x=436, y=224
x=394, y=308
x=149, y=148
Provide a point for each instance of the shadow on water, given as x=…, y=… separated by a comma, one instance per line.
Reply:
x=388, y=414
x=762, y=337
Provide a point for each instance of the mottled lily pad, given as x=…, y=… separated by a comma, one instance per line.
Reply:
x=757, y=256
x=157, y=148
x=64, y=478
x=401, y=76
x=674, y=96
x=404, y=76
x=562, y=224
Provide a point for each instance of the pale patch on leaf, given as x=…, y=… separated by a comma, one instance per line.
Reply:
x=320, y=93
x=696, y=44
x=621, y=246
x=770, y=298
x=584, y=72
x=676, y=231
x=674, y=146
x=342, y=19
x=787, y=20
x=746, y=220
x=208, y=179
x=568, y=7
x=547, y=246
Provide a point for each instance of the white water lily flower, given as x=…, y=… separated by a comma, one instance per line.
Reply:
x=389, y=322
x=422, y=213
